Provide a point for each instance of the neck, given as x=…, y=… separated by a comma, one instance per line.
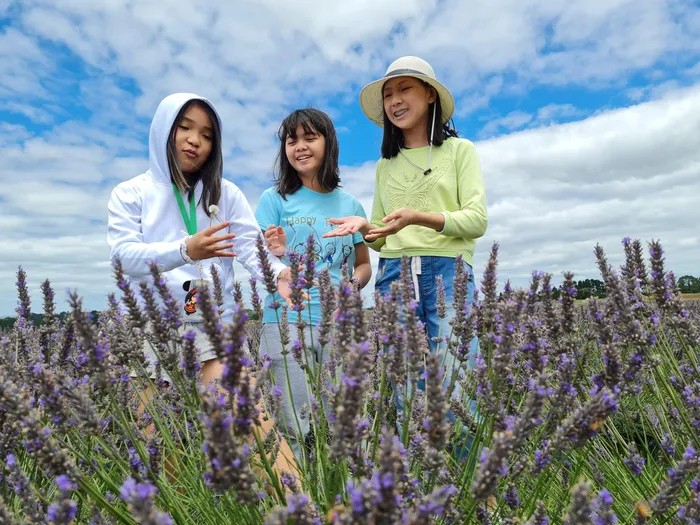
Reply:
x=311, y=182
x=415, y=138
x=191, y=178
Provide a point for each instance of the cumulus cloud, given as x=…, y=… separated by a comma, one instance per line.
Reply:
x=555, y=192
x=80, y=80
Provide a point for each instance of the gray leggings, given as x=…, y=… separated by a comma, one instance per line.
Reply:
x=291, y=378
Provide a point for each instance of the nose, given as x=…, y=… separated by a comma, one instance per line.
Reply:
x=301, y=145
x=193, y=139
x=394, y=99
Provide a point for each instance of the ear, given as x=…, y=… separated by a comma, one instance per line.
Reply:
x=432, y=94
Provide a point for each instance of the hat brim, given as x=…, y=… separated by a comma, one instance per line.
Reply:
x=372, y=101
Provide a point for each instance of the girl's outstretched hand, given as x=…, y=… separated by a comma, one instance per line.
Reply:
x=348, y=226
x=205, y=245
x=276, y=240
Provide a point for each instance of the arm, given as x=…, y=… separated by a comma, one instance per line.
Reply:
x=246, y=228
x=243, y=219
x=378, y=213
x=470, y=221
x=268, y=215
x=362, y=272
x=359, y=223
x=125, y=236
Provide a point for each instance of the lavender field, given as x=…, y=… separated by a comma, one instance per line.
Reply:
x=573, y=412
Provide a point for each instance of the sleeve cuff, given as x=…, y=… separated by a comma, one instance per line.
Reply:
x=444, y=226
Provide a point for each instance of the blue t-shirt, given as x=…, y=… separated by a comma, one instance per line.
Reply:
x=305, y=213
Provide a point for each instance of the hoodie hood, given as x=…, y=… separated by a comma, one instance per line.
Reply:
x=161, y=125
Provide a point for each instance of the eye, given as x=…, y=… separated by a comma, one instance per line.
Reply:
x=182, y=126
x=207, y=137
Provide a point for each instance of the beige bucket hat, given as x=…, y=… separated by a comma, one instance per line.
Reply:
x=371, y=99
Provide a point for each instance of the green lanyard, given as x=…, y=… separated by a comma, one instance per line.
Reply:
x=191, y=219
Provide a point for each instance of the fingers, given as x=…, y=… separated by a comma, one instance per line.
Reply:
x=215, y=228
x=205, y=246
x=224, y=254
x=220, y=247
x=376, y=233
x=343, y=228
x=272, y=232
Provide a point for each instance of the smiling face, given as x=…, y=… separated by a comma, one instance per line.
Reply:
x=305, y=150
x=193, y=139
x=406, y=101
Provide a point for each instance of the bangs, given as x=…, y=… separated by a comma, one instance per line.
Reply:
x=289, y=126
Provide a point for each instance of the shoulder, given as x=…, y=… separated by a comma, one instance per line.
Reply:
x=270, y=193
x=458, y=145
x=383, y=165
x=133, y=188
x=229, y=190
x=344, y=196
x=270, y=198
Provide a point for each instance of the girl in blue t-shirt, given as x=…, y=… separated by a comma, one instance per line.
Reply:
x=305, y=196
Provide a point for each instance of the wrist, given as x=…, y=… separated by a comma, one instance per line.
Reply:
x=183, y=251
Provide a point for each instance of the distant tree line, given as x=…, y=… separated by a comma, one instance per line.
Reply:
x=6, y=323
x=689, y=284
x=37, y=319
x=587, y=288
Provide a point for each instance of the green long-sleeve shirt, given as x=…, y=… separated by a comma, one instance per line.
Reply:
x=454, y=188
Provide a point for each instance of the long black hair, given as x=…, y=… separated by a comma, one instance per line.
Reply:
x=393, y=136
x=211, y=171
x=311, y=120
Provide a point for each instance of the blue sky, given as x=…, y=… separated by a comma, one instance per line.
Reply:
x=586, y=115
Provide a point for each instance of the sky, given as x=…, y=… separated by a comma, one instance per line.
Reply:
x=585, y=116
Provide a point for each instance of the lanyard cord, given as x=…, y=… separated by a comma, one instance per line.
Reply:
x=427, y=170
x=190, y=219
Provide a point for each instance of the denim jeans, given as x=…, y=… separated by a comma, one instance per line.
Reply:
x=424, y=271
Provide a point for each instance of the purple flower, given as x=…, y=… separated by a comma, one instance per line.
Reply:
x=64, y=483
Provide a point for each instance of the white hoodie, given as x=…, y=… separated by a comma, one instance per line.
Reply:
x=145, y=223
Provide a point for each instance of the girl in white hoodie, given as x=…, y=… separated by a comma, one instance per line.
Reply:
x=186, y=217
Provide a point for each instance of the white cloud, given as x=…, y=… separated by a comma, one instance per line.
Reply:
x=553, y=191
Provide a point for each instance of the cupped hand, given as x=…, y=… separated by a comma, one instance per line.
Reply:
x=396, y=221
x=205, y=244
x=276, y=240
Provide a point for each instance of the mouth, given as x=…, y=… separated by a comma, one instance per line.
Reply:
x=191, y=154
x=400, y=113
x=303, y=158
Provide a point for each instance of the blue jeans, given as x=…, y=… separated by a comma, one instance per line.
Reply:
x=424, y=270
